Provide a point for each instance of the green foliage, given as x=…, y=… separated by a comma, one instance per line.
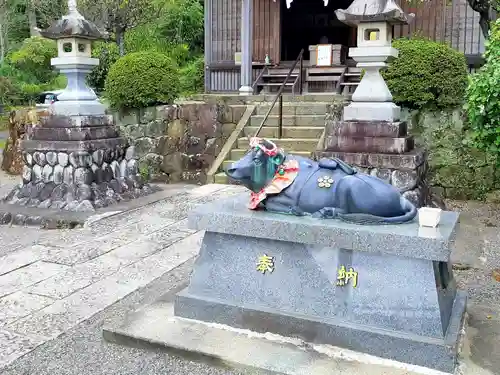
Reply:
x=483, y=98
x=34, y=58
x=142, y=79
x=182, y=23
x=8, y=92
x=146, y=38
x=192, y=77
x=107, y=53
x=426, y=74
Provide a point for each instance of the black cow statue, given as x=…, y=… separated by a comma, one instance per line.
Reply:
x=328, y=189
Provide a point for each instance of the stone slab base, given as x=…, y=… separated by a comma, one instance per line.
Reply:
x=413, y=349
x=13, y=214
x=365, y=111
x=155, y=326
x=349, y=143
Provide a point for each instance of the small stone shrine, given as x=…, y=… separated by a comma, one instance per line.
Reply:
x=74, y=157
x=370, y=134
x=383, y=290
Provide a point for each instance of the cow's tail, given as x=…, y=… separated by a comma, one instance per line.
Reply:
x=410, y=211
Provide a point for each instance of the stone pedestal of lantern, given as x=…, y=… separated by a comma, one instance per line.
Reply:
x=370, y=134
x=74, y=158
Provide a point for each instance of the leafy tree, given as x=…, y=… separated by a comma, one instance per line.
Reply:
x=183, y=23
x=483, y=98
x=117, y=16
x=34, y=57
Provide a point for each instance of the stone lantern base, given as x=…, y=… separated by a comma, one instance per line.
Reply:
x=77, y=163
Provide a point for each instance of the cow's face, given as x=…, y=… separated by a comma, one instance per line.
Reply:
x=257, y=168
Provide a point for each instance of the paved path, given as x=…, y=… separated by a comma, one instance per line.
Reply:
x=50, y=281
x=57, y=287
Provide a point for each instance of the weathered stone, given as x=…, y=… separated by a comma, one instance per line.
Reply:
x=173, y=165
x=34, y=202
x=115, y=167
x=58, y=205
x=145, y=145
x=382, y=173
x=116, y=186
x=24, y=192
x=80, y=159
x=62, y=159
x=51, y=158
x=99, y=203
x=28, y=159
x=23, y=201
x=19, y=219
x=130, y=153
x=83, y=193
x=37, y=173
x=36, y=189
x=414, y=196
x=71, y=205
x=68, y=175
x=108, y=156
x=59, y=192
x=132, y=167
x=404, y=180
x=58, y=174
x=83, y=176
x=109, y=201
x=123, y=168
x=47, y=191
x=39, y=158
x=107, y=172
x=98, y=157
x=26, y=176
x=47, y=173
x=5, y=218
x=45, y=204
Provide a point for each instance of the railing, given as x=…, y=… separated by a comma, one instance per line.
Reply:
x=279, y=95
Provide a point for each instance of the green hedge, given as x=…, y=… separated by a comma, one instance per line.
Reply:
x=427, y=74
x=192, y=77
x=142, y=79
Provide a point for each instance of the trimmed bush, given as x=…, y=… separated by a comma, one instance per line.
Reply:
x=483, y=98
x=142, y=79
x=192, y=77
x=427, y=74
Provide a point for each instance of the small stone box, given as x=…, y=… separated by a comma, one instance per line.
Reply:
x=388, y=291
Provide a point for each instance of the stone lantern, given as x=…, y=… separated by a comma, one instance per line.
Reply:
x=74, y=35
x=75, y=158
x=372, y=100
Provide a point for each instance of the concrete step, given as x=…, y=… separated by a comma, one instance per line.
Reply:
x=313, y=132
x=221, y=178
x=237, y=154
x=289, y=120
x=288, y=144
x=294, y=108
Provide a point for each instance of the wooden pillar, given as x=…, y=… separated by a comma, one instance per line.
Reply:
x=208, y=42
x=246, y=47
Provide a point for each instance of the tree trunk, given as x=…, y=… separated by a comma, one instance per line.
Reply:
x=120, y=40
x=30, y=12
x=2, y=43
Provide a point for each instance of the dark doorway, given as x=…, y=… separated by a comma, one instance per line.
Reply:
x=310, y=22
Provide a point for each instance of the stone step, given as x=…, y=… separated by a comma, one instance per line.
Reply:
x=237, y=154
x=313, y=132
x=288, y=144
x=221, y=178
x=294, y=109
x=290, y=120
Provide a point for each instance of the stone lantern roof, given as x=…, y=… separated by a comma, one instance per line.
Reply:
x=373, y=11
x=73, y=25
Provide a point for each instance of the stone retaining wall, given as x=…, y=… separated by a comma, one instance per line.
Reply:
x=179, y=142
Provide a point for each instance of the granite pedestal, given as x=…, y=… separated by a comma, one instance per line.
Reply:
x=404, y=307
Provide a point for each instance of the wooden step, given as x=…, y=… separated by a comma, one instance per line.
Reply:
x=238, y=153
x=313, y=132
x=279, y=75
x=352, y=74
x=275, y=84
x=290, y=120
x=288, y=144
x=349, y=83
